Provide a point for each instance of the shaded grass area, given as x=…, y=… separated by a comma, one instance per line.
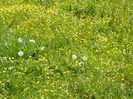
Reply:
x=99, y=30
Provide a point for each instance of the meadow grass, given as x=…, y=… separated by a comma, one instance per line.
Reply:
x=66, y=49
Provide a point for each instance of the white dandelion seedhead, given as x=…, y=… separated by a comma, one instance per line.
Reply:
x=74, y=57
x=20, y=53
x=20, y=40
x=31, y=41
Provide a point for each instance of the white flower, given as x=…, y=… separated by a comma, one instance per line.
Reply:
x=20, y=53
x=84, y=58
x=74, y=57
x=20, y=40
x=31, y=41
x=81, y=63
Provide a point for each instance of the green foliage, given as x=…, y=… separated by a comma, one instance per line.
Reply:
x=73, y=49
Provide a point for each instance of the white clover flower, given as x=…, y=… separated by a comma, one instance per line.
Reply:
x=20, y=40
x=31, y=41
x=84, y=58
x=81, y=63
x=74, y=57
x=20, y=53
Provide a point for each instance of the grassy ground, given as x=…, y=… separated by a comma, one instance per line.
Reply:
x=70, y=49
